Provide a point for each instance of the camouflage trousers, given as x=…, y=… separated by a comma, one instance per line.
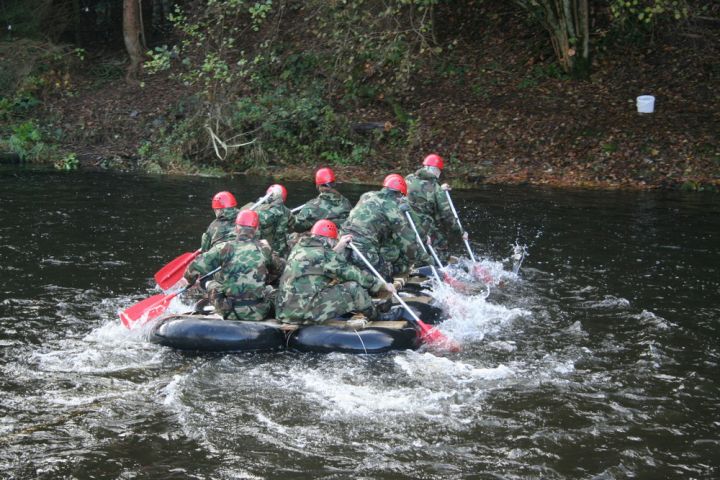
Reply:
x=395, y=257
x=374, y=255
x=426, y=227
x=253, y=310
x=332, y=302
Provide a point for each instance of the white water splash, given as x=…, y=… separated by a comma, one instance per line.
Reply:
x=430, y=368
x=470, y=277
x=472, y=317
x=431, y=386
x=519, y=252
x=609, y=302
x=650, y=319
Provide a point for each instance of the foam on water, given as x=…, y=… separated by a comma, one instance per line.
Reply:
x=433, y=369
x=650, y=319
x=473, y=317
x=609, y=302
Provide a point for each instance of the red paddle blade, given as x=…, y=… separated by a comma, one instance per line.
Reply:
x=148, y=309
x=480, y=272
x=454, y=283
x=435, y=338
x=173, y=272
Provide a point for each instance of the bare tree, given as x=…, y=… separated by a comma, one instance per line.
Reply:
x=568, y=23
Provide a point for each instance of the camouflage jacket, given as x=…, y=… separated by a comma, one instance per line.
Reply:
x=377, y=220
x=312, y=266
x=275, y=223
x=429, y=201
x=247, y=266
x=221, y=229
x=330, y=204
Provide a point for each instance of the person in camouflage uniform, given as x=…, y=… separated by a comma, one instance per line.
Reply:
x=239, y=291
x=275, y=219
x=379, y=229
x=222, y=228
x=429, y=202
x=329, y=204
x=318, y=283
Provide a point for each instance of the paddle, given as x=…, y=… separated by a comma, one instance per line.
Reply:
x=153, y=307
x=452, y=206
x=454, y=283
x=435, y=255
x=173, y=272
x=261, y=201
x=298, y=208
x=419, y=240
x=518, y=256
x=428, y=334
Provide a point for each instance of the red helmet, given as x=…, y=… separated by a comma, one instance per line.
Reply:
x=248, y=218
x=325, y=228
x=395, y=181
x=278, y=188
x=224, y=200
x=323, y=176
x=434, y=160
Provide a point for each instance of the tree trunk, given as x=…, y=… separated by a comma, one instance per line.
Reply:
x=568, y=23
x=132, y=34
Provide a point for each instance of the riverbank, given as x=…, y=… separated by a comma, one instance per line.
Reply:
x=496, y=108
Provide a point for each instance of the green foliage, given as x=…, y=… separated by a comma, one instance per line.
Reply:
x=296, y=126
x=175, y=150
x=527, y=82
x=33, y=145
x=18, y=106
x=648, y=12
x=695, y=186
x=259, y=12
x=541, y=73
x=67, y=162
x=160, y=59
x=31, y=71
x=264, y=101
x=26, y=142
x=609, y=148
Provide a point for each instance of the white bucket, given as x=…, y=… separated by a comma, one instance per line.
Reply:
x=645, y=103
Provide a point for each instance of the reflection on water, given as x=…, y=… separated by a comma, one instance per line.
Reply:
x=598, y=360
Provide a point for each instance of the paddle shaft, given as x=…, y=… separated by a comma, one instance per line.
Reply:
x=377, y=274
x=184, y=289
x=435, y=256
x=261, y=201
x=419, y=240
x=417, y=234
x=457, y=219
x=298, y=208
x=210, y=273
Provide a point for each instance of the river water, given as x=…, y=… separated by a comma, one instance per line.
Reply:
x=599, y=360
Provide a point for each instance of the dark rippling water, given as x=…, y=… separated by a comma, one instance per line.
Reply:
x=599, y=361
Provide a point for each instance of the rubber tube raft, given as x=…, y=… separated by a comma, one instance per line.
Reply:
x=213, y=334
x=206, y=332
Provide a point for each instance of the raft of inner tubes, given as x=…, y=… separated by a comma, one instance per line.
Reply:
x=213, y=334
x=210, y=333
